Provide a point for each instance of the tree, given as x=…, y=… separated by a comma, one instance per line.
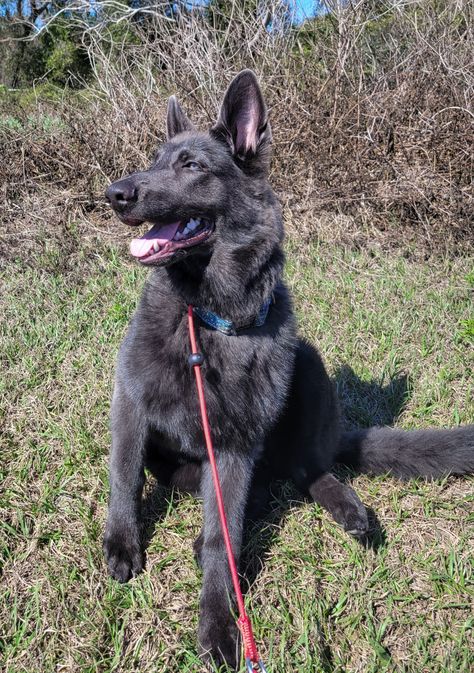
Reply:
x=19, y=55
x=40, y=40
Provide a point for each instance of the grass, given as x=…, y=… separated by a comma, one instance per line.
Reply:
x=396, y=335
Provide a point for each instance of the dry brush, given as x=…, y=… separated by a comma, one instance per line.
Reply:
x=371, y=107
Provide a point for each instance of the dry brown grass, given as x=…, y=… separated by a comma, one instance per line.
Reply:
x=371, y=108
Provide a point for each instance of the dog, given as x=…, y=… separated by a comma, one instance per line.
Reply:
x=216, y=244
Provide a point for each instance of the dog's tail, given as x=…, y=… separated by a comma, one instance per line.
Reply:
x=406, y=454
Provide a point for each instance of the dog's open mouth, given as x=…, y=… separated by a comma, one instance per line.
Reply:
x=164, y=239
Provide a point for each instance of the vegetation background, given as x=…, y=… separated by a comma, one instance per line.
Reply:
x=371, y=106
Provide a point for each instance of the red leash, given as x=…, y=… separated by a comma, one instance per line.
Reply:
x=252, y=659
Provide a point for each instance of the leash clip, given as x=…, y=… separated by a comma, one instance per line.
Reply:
x=253, y=668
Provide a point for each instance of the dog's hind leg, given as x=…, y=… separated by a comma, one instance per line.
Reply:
x=311, y=426
x=342, y=502
x=310, y=472
x=186, y=477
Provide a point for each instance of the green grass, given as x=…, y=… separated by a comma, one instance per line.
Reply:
x=396, y=335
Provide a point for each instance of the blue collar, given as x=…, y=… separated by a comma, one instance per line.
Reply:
x=227, y=326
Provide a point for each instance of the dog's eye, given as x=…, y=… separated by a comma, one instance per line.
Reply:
x=193, y=165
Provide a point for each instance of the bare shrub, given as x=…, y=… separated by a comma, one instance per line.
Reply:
x=371, y=107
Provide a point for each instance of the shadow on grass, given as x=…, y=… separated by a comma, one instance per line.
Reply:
x=363, y=405
x=368, y=403
x=155, y=505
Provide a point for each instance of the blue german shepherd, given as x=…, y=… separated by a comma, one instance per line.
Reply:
x=216, y=243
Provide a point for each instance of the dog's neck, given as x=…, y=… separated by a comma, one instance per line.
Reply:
x=232, y=282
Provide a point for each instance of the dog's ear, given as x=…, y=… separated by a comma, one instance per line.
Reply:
x=176, y=120
x=243, y=122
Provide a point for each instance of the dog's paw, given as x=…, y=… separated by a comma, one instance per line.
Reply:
x=219, y=639
x=353, y=515
x=357, y=525
x=123, y=554
x=347, y=510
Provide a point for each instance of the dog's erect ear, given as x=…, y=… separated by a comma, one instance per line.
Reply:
x=243, y=120
x=176, y=120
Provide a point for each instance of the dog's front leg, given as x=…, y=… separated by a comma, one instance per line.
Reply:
x=218, y=634
x=122, y=545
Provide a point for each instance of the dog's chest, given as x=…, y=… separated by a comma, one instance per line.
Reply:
x=245, y=379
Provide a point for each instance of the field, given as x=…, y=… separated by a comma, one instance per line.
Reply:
x=371, y=109
x=397, y=333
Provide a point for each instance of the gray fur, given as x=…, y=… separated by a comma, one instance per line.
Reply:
x=420, y=453
x=272, y=407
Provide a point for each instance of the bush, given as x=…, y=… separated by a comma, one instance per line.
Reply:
x=66, y=61
x=371, y=108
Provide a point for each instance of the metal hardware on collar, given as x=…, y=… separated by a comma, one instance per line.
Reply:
x=227, y=326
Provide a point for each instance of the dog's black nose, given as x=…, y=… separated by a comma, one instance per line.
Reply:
x=121, y=194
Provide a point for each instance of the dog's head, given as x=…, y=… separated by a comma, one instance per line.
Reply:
x=198, y=180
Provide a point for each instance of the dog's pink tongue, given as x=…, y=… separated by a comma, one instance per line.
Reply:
x=139, y=247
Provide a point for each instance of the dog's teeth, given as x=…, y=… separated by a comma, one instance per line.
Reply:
x=192, y=224
x=156, y=247
x=178, y=236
